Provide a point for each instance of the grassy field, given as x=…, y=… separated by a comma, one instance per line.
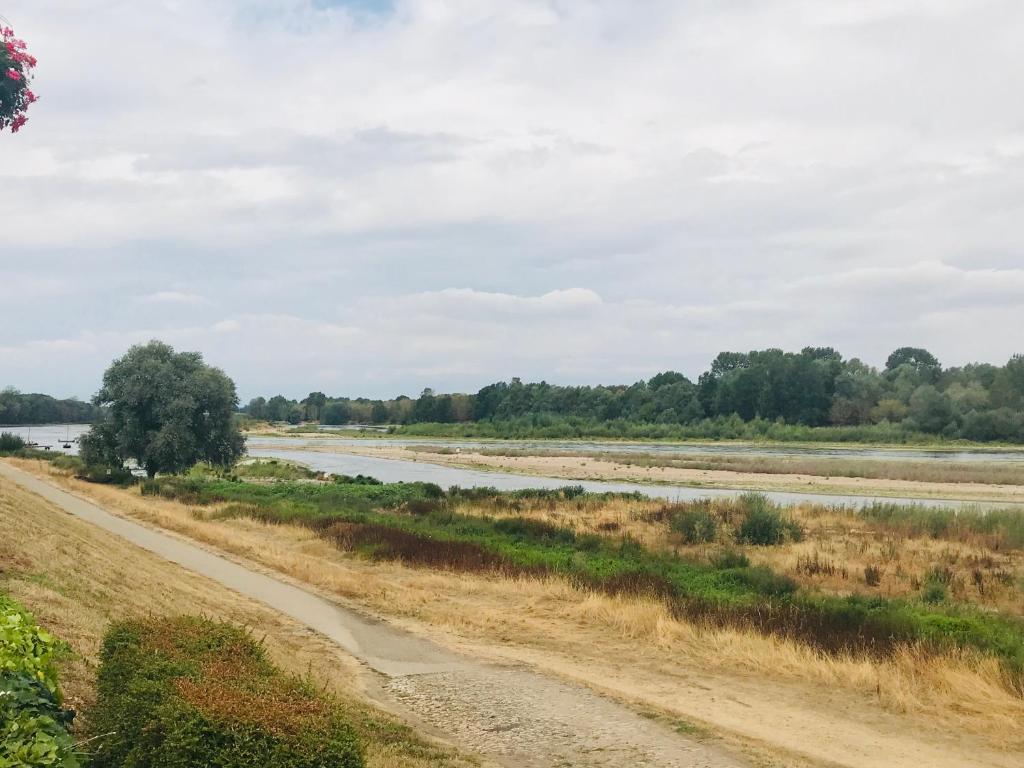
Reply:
x=953, y=706
x=78, y=580
x=418, y=524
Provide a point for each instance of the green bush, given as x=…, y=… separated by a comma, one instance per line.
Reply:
x=764, y=524
x=106, y=475
x=189, y=693
x=33, y=722
x=71, y=463
x=730, y=558
x=695, y=526
x=9, y=442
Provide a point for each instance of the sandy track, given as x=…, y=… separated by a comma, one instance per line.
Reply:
x=507, y=713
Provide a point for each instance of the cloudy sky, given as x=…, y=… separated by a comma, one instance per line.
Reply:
x=370, y=197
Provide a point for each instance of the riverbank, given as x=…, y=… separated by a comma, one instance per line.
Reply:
x=409, y=433
x=591, y=468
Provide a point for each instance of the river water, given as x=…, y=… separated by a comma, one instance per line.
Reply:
x=56, y=436
x=51, y=437
x=396, y=470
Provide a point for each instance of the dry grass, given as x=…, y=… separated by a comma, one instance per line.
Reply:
x=992, y=473
x=805, y=700
x=837, y=548
x=76, y=579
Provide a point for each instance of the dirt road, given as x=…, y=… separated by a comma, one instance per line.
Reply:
x=509, y=714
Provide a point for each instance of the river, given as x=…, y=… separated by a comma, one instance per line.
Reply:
x=402, y=470
x=399, y=470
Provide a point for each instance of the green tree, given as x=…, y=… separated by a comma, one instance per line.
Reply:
x=278, y=407
x=379, y=412
x=165, y=410
x=257, y=408
x=314, y=404
x=921, y=360
x=930, y=410
x=335, y=413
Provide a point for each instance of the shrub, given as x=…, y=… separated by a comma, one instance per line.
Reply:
x=695, y=526
x=872, y=575
x=71, y=463
x=730, y=558
x=189, y=693
x=764, y=524
x=106, y=475
x=33, y=723
x=356, y=480
x=933, y=592
x=9, y=442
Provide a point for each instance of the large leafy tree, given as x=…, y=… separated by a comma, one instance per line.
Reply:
x=165, y=410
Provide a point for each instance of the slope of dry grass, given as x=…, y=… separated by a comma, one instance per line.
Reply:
x=808, y=704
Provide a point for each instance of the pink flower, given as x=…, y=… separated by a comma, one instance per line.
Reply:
x=13, y=74
x=30, y=97
x=17, y=122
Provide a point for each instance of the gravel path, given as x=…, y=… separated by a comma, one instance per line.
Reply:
x=509, y=714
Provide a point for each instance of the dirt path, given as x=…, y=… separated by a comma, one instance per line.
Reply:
x=507, y=713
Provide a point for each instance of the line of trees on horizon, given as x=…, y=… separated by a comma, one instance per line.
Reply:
x=17, y=409
x=815, y=387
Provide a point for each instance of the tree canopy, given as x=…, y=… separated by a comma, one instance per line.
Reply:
x=814, y=387
x=165, y=410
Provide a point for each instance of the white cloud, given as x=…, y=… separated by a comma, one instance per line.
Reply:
x=469, y=189
x=173, y=297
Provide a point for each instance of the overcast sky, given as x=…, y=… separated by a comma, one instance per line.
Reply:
x=373, y=197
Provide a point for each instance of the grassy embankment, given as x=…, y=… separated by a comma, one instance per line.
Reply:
x=417, y=524
x=79, y=580
x=957, y=706
x=188, y=691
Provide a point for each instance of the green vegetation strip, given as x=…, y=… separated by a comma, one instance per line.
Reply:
x=33, y=722
x=415, y=523
x=189, y=692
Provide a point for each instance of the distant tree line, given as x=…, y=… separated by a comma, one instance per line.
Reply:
x=815, y=387
x=334, y=411
x=18, y=408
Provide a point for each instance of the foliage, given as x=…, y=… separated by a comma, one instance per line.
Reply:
x=812, y=395
x=695, y=526
x=16, y=65
x=394, y=522
x=272, y=469
x=1002, y=528
x=33, y=724
x=17, y=408
x=9, y=442
x=166, y=411
x=189, y=693
x=765, y=524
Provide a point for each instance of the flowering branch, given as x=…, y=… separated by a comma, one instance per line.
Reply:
x=16, y=65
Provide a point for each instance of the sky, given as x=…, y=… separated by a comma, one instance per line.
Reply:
x=370, y=197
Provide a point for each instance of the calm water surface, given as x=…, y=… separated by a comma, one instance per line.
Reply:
x=56, y=436
x=396, y=470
